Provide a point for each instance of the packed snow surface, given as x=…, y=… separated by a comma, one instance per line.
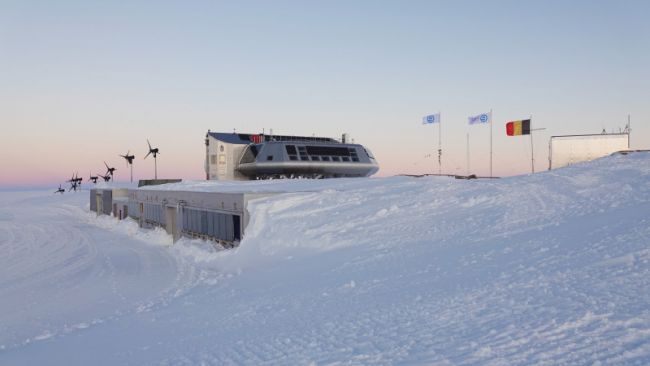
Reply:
x=551, y=268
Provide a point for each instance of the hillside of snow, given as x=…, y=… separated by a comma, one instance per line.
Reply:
x=545, y=269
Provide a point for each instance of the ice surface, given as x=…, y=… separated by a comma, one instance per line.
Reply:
x=551, y=268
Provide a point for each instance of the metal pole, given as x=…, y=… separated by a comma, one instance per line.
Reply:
x=490, y=143
x=155, y=165
x=532, y=152
x=532, y=149
x=434, y=163
x=131, y=172
x=439, y=145
x=468, y=154
x=628, y=131
x=550, y=154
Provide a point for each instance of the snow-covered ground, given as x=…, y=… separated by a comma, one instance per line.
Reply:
x=547, y=269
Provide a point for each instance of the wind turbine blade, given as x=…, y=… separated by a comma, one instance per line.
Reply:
x=148, y=143
x=149, y=153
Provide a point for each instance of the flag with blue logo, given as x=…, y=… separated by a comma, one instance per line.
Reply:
x=431, y=119
x=481, y=118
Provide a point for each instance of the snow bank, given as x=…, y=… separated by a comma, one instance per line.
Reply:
x=390, y=213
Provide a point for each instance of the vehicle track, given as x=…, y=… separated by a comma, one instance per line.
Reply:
x=60, y=273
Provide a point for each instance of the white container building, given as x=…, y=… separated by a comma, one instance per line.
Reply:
x=571, y=149
x=215, y=216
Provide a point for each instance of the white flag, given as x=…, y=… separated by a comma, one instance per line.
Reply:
x=481, y=118
x=431, y=119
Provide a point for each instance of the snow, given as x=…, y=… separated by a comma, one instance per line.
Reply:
x=111, y=185
x=551, y=268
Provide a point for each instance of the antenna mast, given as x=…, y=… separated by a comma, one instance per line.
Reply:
x=628, y=130
x=468, y=154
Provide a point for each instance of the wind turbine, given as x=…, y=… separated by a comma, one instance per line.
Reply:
x=109, y=171
x=78, y=179
x=74, y=183
x=129, y=161
x=155, y=153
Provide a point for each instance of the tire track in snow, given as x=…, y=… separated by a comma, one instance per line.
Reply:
x=63, y=274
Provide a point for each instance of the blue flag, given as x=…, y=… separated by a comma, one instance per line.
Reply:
x=481, y=118
x=431, y=119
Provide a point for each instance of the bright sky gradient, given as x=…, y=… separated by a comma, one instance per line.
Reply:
x=84, y=81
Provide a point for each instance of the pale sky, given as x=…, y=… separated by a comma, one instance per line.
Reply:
x=84, y=81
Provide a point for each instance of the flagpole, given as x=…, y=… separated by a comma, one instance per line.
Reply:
x=439, y=144
x=434, y=136
x=490, y=143
x=532, y=149
x=468, y=154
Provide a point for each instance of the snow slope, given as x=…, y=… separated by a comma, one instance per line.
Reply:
x=547, y=269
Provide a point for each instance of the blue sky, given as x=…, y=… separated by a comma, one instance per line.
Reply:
x=83, y=81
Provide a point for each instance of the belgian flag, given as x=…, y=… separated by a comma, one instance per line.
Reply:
x=516, y=128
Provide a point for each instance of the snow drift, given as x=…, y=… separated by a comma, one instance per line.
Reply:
x=549, y=268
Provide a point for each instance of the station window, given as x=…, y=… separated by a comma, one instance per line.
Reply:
x=291, y=149
x=327, y=150
x=269, y=158
x=368, y=153
x=326, y=158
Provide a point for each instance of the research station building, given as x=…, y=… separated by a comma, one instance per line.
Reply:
x=242, y=156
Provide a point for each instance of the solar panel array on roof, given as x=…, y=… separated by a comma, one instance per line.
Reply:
x=247, y=138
